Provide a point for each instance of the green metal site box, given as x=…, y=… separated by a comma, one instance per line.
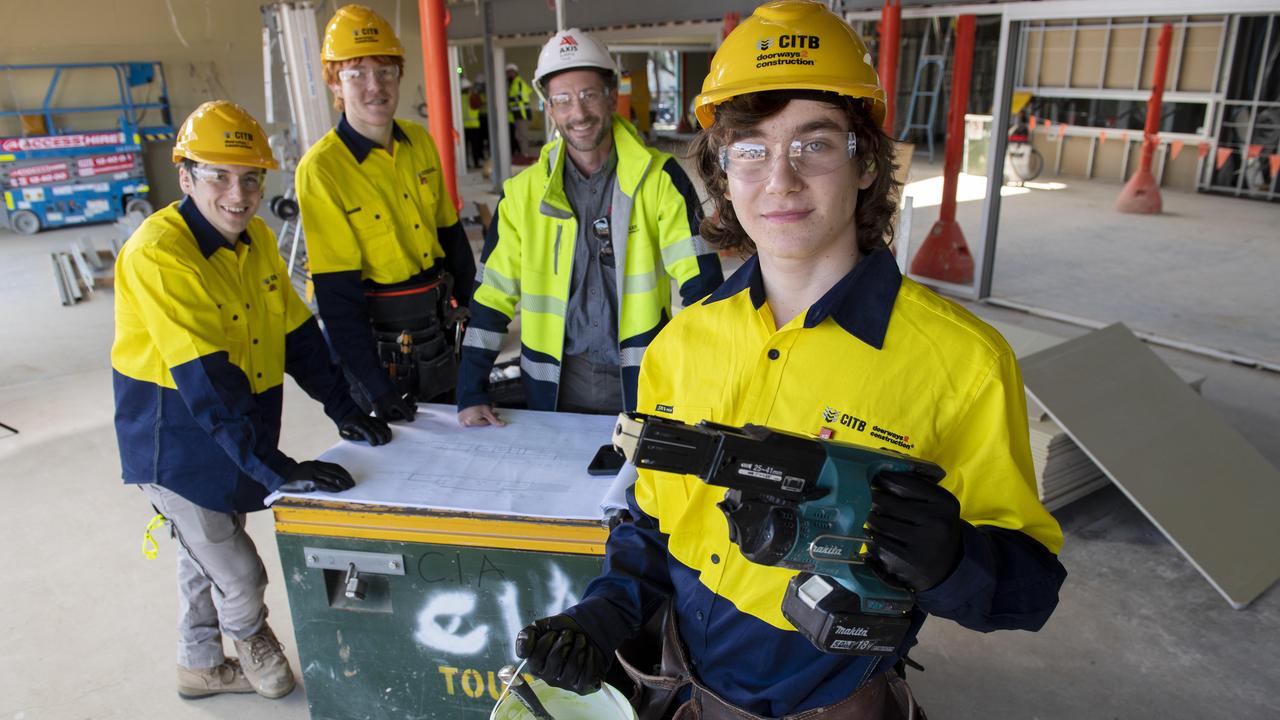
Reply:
x=404, y=613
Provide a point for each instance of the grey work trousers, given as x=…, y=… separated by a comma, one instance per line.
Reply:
x=221, y=579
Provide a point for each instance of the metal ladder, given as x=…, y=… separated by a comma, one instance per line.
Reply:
x=290, y=38
x=931, y=71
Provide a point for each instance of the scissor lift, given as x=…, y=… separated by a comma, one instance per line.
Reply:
x=55, y=176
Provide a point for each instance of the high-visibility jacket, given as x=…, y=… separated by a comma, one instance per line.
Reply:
x=204, y=335
x=375, y=219
x=877, y=361
x=518, y=96
x=528, y=255
x=470, y=115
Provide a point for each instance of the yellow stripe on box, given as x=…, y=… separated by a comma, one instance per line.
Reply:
x=400, y=525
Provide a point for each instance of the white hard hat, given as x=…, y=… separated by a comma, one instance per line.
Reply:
x=512, y=67
x=570, y=49
x=465, y=84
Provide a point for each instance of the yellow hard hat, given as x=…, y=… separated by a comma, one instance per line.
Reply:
x=220, y=132
x=355, y=31
x=791, y=45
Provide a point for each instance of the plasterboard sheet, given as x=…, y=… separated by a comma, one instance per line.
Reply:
x=1024, y=342
x=1204, y=486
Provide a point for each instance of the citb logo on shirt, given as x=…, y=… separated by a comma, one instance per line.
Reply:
x=270, y=282
x=830, y=414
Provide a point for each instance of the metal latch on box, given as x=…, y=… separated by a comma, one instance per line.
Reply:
x=364, y=562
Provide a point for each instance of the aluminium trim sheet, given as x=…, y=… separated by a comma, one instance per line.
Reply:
x=535, y=466
x=1211, y=493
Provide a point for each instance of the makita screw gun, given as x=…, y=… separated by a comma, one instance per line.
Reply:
x=796, y=502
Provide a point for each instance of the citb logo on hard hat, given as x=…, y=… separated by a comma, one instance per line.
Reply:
x=765, y=44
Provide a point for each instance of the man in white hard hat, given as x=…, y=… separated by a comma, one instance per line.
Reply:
x=585, y=243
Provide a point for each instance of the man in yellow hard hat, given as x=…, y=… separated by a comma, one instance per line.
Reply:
x=391, y=263
x=817, y=334
x=586, y=243
x=207, y=324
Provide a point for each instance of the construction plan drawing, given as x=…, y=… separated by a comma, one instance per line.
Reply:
x=535, y=466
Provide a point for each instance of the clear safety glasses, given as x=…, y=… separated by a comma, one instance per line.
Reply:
x=383, y=74
x=589, y=98
x=809, y=155
x=250, y=182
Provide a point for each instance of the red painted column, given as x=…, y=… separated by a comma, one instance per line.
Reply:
x=944, y=254
x=1141, y=195
x=435, y=68
x=890, y=44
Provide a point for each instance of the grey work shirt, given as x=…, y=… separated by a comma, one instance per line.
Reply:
x=591, y=316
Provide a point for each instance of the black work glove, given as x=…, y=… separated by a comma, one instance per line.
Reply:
x=914, y=526
x=357, y=426
x=560, y=652
x=393, y=406
x=312, y=475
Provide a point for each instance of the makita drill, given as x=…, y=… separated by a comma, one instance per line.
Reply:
x=796, y=502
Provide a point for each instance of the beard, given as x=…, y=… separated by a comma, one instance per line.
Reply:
x=595, y=140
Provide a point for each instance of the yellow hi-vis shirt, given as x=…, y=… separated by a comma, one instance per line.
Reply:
x=879, y=361
x=204, y=335
x=371, y=209
x=375, y=217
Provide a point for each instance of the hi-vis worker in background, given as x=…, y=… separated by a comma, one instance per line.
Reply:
x=817, y=324
x=206, y=326
x=519, y=110
x=585, y=242
x=470, y=103
x=391, y=264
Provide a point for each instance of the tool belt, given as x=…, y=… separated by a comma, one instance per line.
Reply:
x=884, y=697
x=416, y=327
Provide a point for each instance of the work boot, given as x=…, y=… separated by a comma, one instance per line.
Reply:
x=228, y=677
x=264, y=663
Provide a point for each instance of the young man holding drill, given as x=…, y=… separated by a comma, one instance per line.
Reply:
x=817, y=326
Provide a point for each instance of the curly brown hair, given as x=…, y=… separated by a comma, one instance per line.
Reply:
x=876, y=204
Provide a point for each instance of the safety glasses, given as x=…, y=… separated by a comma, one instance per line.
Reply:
x=250, y=182
x=809, y=155
x=383, y=74
x=589, y=98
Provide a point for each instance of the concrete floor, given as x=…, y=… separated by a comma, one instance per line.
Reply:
x=87, y=621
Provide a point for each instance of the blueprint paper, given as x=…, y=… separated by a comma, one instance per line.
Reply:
x=535, y=466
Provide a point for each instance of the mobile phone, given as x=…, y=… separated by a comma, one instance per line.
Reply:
x=606, y=462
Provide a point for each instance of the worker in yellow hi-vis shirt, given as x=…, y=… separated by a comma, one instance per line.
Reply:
x=392, y=267
x=207, y=325
x=817, y=334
